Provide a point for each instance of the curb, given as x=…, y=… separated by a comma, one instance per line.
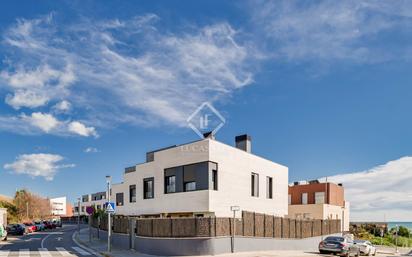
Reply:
x=84, y=246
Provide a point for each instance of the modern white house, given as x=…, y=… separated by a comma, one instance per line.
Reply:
x=202, y=178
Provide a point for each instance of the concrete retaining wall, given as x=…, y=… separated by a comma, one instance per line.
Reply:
x=207, y=245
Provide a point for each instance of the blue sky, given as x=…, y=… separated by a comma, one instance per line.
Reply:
x=323, y=88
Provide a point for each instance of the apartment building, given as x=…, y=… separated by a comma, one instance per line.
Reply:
x=202, y=178
x=96, y=199
x=315, y=200
x=59, y=206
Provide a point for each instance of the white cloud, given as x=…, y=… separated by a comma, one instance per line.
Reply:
x=124, y=71
x=39, y=122
x=334, y=30
x=91, y=150
x=62, y=107
x=383, y=191
x=35, y=87
x=45, y=122
x=37, y=165
x=79, y=128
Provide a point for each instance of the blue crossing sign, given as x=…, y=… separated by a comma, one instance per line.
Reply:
x=110, y=207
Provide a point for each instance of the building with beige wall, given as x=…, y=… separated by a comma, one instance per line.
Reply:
x=314, y=200
x=202, y=178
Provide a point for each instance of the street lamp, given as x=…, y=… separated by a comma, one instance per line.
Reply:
x=109, y=226
x=234, y=209
x=78, y=214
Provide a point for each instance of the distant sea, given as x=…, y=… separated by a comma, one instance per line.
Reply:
x=404, y=224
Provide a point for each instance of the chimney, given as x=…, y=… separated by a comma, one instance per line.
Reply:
x=209, y=135
x=244, y=142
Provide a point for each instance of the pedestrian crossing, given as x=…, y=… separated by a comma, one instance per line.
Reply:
x=43, y=252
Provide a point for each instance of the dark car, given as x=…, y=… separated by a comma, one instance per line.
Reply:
x=49, y=225
x=339, y=245
x=57, y=223
x=16, y=229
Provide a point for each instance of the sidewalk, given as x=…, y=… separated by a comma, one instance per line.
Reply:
x=100, y=247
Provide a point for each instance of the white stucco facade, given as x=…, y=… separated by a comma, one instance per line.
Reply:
x=234, y=170
x=321, y=211
x=58, y=206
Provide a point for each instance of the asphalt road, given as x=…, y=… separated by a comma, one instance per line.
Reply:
x=56, y=242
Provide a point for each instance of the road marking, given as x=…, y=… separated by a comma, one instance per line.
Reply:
x=63, y=251
x=80, y=250
x=4, y=253
x=44, y=239
x=44, y=252
x=24, y=252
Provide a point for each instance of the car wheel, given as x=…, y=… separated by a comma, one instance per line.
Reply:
x=369, y=252
x=374, y=253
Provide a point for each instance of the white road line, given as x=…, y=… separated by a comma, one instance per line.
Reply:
x=44, y=252
x=4, y=253
x=81, y=251
x=24, y=252
x=63, y=251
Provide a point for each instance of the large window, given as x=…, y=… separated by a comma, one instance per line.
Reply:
x=190, y=186
x=170, y=184
x=305, y=198
x=319, y=197
x=132, y=193
x=214, y=179
x=269, y=187
x=191, y=177
x=148, y=188
x=255, y=184
x=119, y=199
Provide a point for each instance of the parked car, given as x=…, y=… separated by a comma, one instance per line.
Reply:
x=49, y=225
x=16, y=229
x=31, y=227
x=3, y=233
x=343, y=246
x=39, y=226
x=58, y=223
x=366, y=247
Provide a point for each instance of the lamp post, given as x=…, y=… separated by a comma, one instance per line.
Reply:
x=109, y=226
x=234, y=209
x=343, y=219
x=78, y=215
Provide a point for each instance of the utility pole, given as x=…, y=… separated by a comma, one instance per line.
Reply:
x=27, y=210
x=109, y=225
x=78, y=215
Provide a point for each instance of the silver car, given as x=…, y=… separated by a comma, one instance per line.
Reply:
x=366, y=247
x=339, y=245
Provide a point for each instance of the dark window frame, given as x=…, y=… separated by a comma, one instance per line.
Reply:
x=215, y=180
x=166, y=184
x=269, y=187
x=120, y=203
x=132, y=187
x=254, y=191
x=146, y=180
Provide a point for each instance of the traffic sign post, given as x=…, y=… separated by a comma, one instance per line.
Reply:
x=90, y=211
x=109, y=210
x=110, y=207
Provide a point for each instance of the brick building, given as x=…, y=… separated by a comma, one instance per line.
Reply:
x=315, y=200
